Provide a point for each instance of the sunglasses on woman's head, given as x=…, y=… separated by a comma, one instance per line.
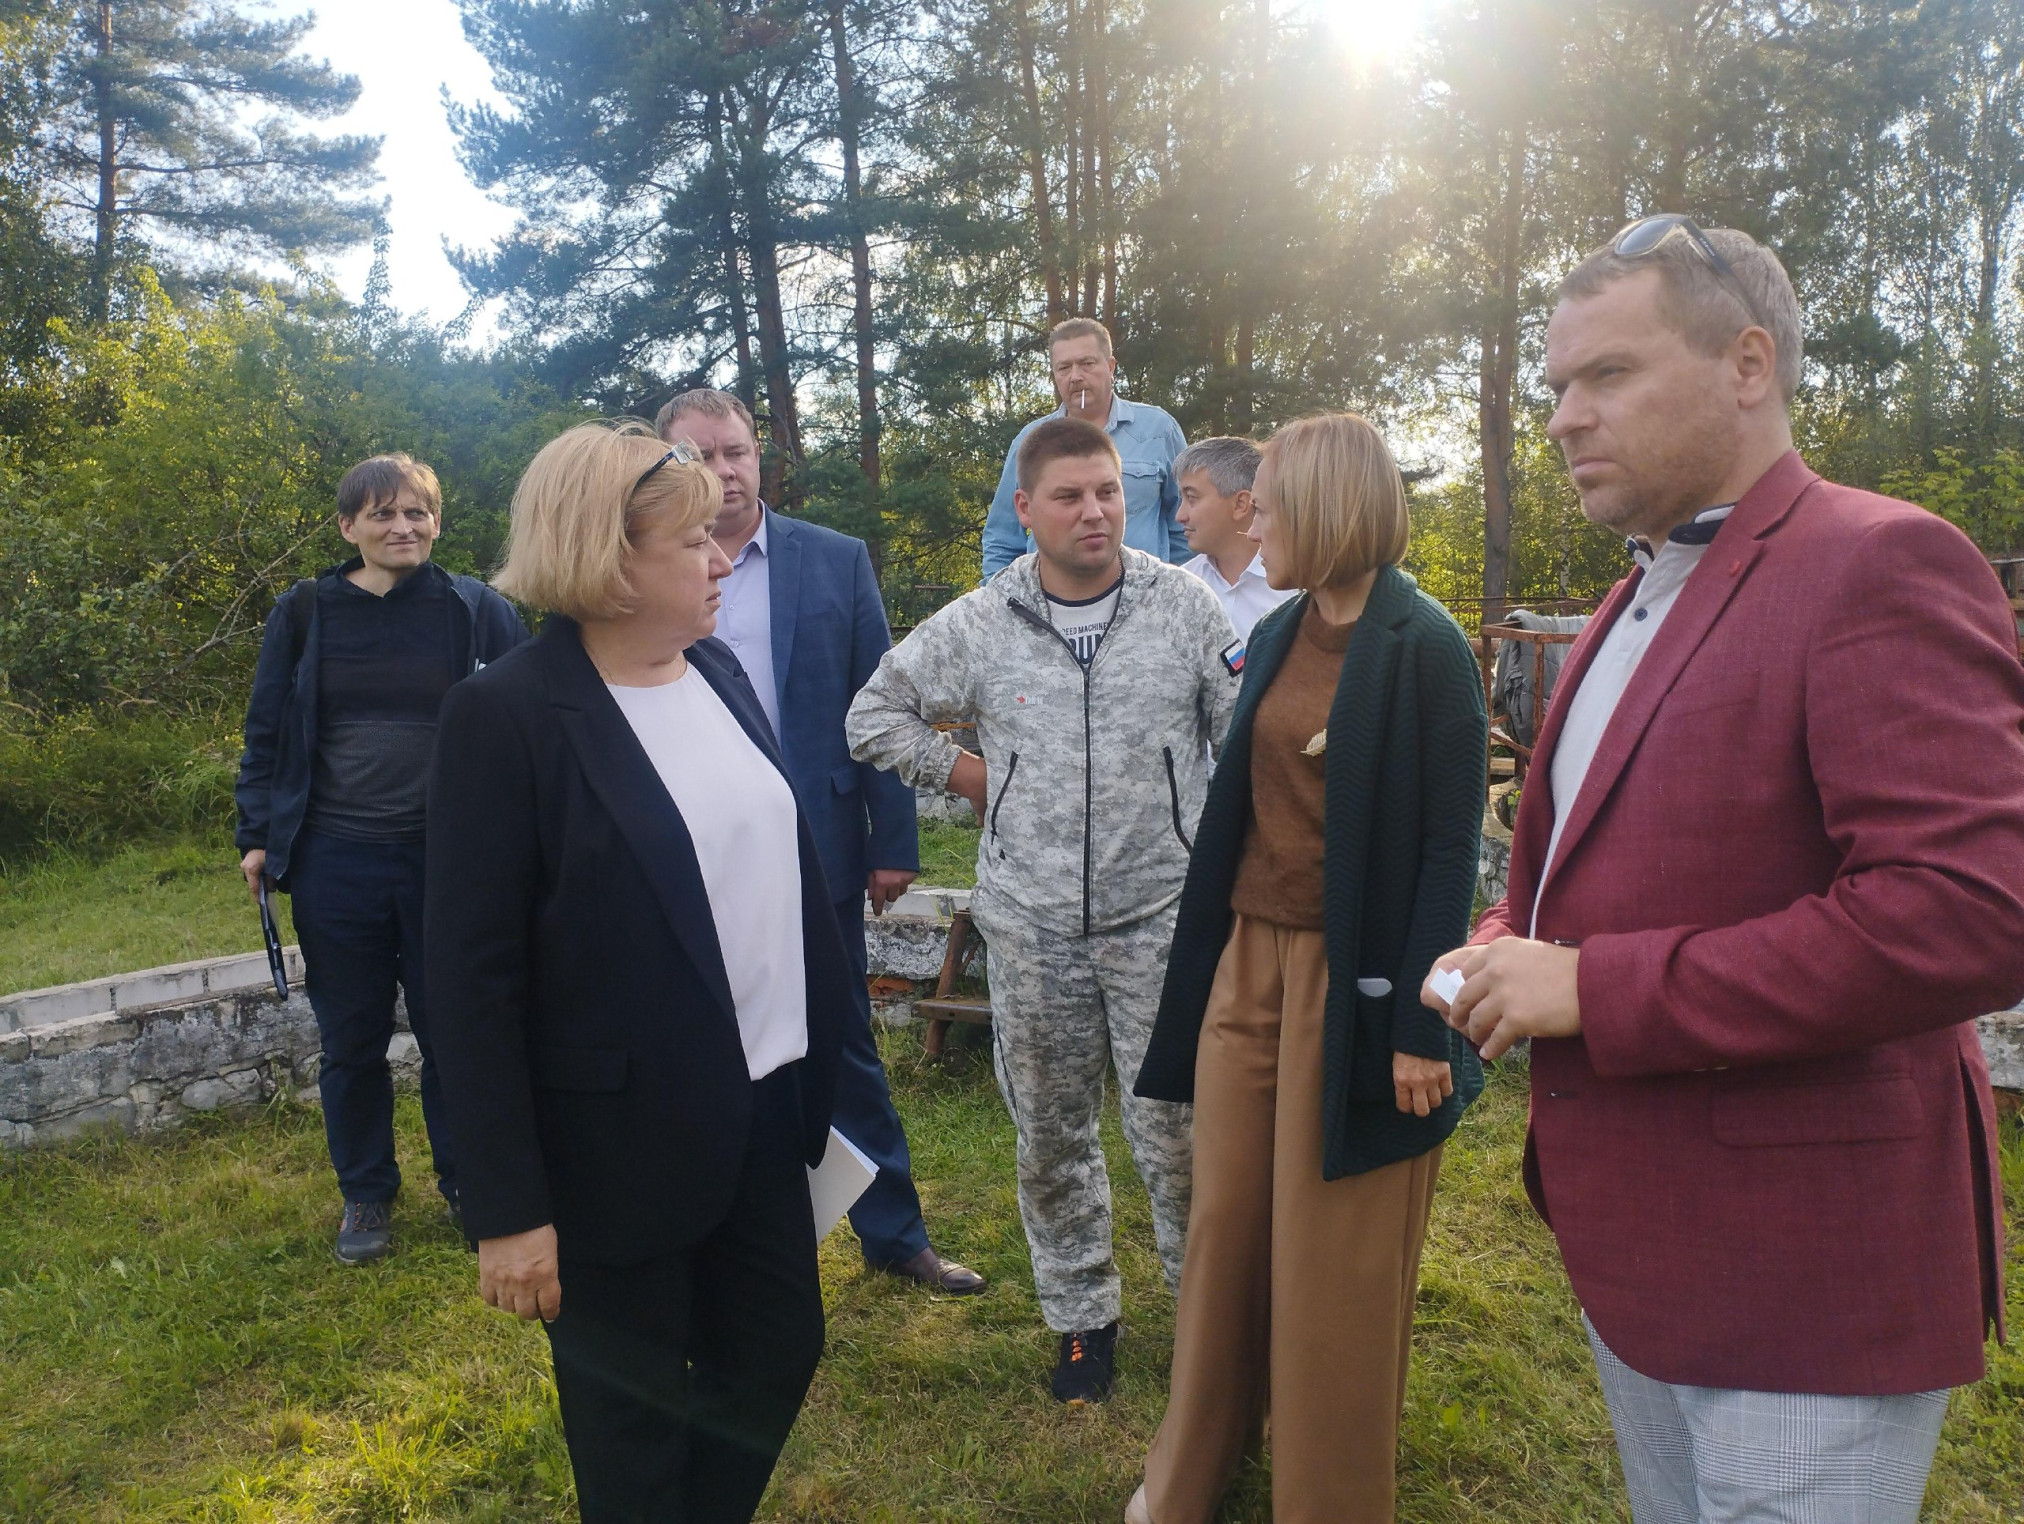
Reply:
x=681, y=452
x=1648, y=235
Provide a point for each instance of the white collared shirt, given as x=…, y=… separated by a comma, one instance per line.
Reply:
x=1247, y=600
x=745, y=618
x=1592, y=705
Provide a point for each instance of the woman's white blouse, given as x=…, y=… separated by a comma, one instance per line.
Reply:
x=740, y=814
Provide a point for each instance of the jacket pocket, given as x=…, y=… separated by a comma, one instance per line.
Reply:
x=1011, y=767
x=1880, y=1109
x=579, y=1068
x=1174, y=798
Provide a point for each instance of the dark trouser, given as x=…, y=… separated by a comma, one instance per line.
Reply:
x=887, y=1217
x=680, y=1377
x=358, y=916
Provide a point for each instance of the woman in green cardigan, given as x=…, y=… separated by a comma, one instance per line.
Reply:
x=1335, y=860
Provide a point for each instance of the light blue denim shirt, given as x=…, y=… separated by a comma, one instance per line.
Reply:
x=1147, y=440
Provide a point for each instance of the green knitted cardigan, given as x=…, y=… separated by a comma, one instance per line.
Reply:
x=1403, y=813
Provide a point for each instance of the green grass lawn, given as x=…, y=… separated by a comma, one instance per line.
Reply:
x=75, y=917
x=66, y=917
x=177, y=1344
x=948, y=855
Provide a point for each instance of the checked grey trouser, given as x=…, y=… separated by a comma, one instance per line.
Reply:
x=1063, y=1010
x=1707, y=1455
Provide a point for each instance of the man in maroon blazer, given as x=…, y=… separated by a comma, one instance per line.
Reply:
x=1768, y=866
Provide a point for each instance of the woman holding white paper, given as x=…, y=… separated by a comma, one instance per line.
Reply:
x=1335, y=859
x=640, y=991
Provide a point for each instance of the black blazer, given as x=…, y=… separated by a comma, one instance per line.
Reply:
x=1401, y=834
x=578, y=1006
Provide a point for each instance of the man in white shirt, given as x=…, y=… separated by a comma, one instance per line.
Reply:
x=1214, y=476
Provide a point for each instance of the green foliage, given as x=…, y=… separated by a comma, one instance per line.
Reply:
x=1555, y=551
x=85, y=783
x=1985, y=498
x=185, y=475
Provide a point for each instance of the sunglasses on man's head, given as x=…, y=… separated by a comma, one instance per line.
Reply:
x=681, y=452
x=1648, y=235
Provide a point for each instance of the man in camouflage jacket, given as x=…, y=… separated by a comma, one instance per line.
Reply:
x=1097, y=678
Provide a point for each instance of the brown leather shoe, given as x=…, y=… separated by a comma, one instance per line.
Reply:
x=930, y=1269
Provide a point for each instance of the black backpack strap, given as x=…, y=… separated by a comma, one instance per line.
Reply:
x=301, y=601
x=472, y=591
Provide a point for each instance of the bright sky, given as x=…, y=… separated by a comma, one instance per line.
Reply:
x=405, y=52
x=1374, y=31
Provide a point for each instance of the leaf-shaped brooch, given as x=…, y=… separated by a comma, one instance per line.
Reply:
x=1317, y=746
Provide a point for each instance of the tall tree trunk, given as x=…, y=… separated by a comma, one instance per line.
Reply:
x=1096, y=161
x=849, y=125
x=727, y=243
x=1071, y=184
x=1244, y=401
x=1498, y=367
x=1036, y=168
x=763, y=252
x=107, y=210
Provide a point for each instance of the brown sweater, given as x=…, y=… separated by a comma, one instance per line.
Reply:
x=1279, y=874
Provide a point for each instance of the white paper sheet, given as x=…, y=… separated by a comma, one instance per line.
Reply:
x=835, y=1184
x=1447, y=983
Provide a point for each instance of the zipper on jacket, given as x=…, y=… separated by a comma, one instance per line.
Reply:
x=999, y=803
x=1174, y=793
x=1088, y=749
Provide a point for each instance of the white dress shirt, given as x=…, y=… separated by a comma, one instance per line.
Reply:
x=1593, y=704
x=1247, y=600
x=745, y=618
x=741, y=816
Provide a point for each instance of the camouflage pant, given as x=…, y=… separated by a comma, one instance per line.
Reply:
x=1062, y=1009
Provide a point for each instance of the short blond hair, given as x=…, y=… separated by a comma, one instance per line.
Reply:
x=1339, y=495
x=1080, y=328
x=576, y=508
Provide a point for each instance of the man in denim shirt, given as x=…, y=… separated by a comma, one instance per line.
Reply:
x=1147, y=439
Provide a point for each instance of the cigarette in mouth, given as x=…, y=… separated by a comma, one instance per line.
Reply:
x=1082, y=400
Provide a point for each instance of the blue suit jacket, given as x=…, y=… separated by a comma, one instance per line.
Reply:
x=829, y=631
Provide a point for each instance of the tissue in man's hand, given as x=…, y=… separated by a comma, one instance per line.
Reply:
x=1447, y=983
x=835, y=1184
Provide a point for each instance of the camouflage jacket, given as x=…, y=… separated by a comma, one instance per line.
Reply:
x=1095, y=778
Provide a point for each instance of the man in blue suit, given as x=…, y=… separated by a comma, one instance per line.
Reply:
x=802, y=612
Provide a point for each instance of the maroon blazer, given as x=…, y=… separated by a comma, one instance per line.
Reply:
x=1796, y=873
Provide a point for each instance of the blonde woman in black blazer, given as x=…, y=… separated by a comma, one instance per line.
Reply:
x=636, y=1080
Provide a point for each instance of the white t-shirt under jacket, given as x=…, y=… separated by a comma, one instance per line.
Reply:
x=741, y=816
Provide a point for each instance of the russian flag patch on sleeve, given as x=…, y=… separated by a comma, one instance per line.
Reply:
x=1233, y=656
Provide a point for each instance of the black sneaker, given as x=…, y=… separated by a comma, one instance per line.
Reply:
x=1087, y=1366
x=366, y=1233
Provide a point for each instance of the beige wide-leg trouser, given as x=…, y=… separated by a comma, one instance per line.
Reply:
x=1297, y=1293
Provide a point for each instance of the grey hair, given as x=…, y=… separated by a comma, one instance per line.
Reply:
x=1230, y=464
x=710, y=403
x=1700, y=304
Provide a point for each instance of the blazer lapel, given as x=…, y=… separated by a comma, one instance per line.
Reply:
x=625, y=782
x=1722, y=570
x=783, y=585
x=1356, y=733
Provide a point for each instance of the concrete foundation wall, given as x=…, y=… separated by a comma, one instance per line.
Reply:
x=144, y=1050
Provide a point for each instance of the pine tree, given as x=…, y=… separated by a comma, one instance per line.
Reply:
x=148, y=142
